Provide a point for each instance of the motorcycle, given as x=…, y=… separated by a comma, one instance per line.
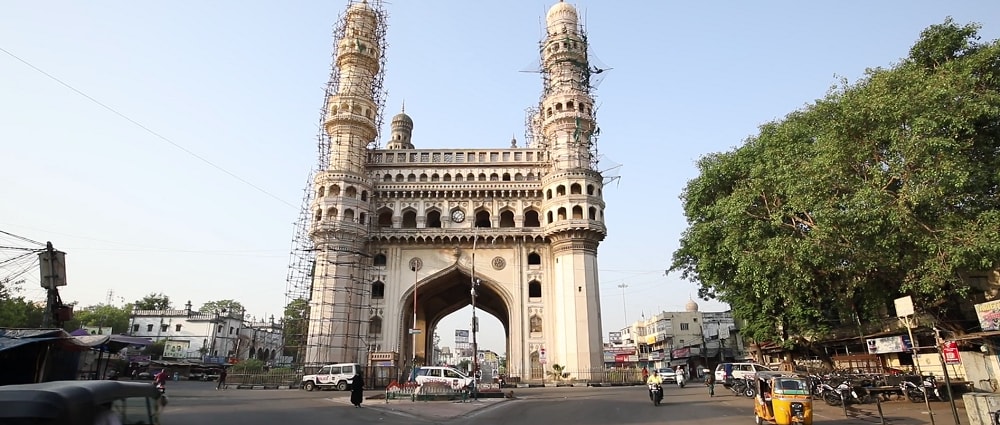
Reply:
x=916, y=394
x=656, y=394
x=680, y=380
x=743, y=387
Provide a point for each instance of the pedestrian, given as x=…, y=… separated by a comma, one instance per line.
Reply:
x=645, y=374
x=222, y=380
x=357, y=390
x=710, y=382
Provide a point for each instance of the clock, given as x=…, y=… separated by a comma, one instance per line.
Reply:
x=457, y=216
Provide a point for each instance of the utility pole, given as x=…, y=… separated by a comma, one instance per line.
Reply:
x=475, y=322
x=624, y=305
x=52, y=267
x=415, y=265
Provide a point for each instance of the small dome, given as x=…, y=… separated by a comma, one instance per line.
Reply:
x=691, y=306
x=402, y=120
x=561, y=15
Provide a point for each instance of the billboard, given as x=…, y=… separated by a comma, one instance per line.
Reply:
x=989, y=315
x=889, y=344
x=176, y=349
x=615, y=337
x=461, y=336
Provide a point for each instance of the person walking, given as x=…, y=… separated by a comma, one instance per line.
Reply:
x=710, y=383
x=222, y=380
x=357, y=390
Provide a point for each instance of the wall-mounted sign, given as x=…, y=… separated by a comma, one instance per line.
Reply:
x=889, y=344
x=989, y=315
x=950, y=351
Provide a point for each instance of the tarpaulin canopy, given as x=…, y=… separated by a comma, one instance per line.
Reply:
x=11, y=338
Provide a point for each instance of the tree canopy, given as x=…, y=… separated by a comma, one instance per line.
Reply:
x=101, y=315
x=883, y=188
x=221, y=305
x=15, y=310
x=154, y=301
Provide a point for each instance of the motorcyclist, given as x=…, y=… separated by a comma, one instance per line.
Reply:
x=160, y=380
x=654, y=379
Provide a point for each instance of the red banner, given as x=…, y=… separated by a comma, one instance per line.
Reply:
x=949, y=349
x=681, y=353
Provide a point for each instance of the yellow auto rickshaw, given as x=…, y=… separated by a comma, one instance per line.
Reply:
x=782, y=398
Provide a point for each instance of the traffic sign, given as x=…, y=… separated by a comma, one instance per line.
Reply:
x=414, y=331
x=950, y=352
x=541, y=356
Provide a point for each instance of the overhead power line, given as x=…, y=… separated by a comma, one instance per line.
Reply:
x=147, y=129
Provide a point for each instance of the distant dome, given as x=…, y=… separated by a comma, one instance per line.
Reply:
x=691, y=305
x=402, y=120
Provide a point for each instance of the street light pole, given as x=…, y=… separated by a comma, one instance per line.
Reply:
x=475, y=322
x=624, y=306
x=415, y=266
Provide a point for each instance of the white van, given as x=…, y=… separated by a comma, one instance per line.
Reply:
x=444, y=374
x=739, y=371
x=337, y=376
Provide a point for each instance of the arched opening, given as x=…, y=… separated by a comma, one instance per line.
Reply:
x=575, y=189
x=531, y=219
x=459, y=177
x=483, y=219
x=409, y=219
x=590, y=189
x=534, y=289
x=534, y=259
x=560, y=190
x=351, y=192
x=506, y=177
x=387, y=178
x=334, y=190
x=400, y=178
x=378, y=290
x=592, y=213
x=577, y=212
x=423, y=177
x=331, y=213
x=549, y=217
x=482, y=177
x=447, y=177
x=548, y=194
x=411, y=178
x=364, y=195
x=375, y=326
x=561, y=213
x=379, y=260
x=434, y=219
x=322, y=192
x=349, y=215
x=494, y=177
x=385, y=218
x=319, y=215
x=507, y=219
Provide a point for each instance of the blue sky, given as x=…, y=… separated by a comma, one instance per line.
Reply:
x=239, y=84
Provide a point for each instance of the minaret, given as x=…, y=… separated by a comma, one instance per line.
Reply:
x=401, y=131
x=574, y=210
x=341, y=208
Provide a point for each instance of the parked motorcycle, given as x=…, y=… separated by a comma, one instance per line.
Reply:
x=743, y=387
x=656, y=394
x=916, y=393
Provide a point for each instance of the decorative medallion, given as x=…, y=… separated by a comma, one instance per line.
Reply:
x=499, y=263
x=416, y=263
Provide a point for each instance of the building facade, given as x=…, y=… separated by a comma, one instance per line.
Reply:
x=404, y=236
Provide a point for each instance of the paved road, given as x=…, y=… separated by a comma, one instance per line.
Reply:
x=199, y=403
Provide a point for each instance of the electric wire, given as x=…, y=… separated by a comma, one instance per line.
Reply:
x=147, y=129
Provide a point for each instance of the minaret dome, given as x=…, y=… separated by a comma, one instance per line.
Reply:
x=562, y=16
x=401, y=131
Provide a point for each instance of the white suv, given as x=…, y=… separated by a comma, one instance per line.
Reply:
x=337, y=376
x=451, y=376
x=739, y=370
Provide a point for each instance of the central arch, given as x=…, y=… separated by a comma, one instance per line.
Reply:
x=442, y=294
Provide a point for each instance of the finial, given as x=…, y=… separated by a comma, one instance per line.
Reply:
x=403, y=108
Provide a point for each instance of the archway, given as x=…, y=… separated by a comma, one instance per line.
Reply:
x=440, y=295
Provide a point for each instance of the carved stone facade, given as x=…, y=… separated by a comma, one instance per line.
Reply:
x=522, y=222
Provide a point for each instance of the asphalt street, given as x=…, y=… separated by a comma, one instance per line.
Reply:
x=198, y=403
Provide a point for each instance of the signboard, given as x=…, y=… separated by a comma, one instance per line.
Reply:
x=609, y=357
x=461, y=335
x=949, y=349
x=541, y=356
x=622, y=358
x=681, y=353
x=655, y=356
x=615, y=337
x=175, y=349
x=889, y=344
x=904, y=306
x=989, y=315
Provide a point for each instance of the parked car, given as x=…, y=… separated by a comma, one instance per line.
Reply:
x=445, y=374
x=337, y=376
x=738, y=371
x=668, y=375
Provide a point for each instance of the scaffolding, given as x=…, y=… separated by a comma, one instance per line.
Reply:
x=334, y=317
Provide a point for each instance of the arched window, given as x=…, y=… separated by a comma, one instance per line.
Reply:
x=482, y=177
x=531, y=219
x=322, y=192
x=375, y=325
x=483, y=219
x=575, y=189
x=435, y=177
x=592, y=213
x=400, y=178
x=364, y=195
x=331, y=213
x=378, y=261
x=387, y=178
x=534, y=259
x=385, y=218
x=378, y=290
x=549, y=214
x=531, y=177
x=534, y=289
x=351, y=192
x=472, y=177
x=506, y=177
x=411, y=178
x=494, y=177
x=518, y=177
x=319, y=215
x=447, y=178
x=561, y=214
x=548, y=194
x=590, y=189
x=349, y=215
x=577, y=212
x=361, y=218
x=569, y=105
x=423, y=177
x=560, y=190
x=434, y=219
x=410, y=219
x=459, y=177
x=334, y=190
x=507, y=219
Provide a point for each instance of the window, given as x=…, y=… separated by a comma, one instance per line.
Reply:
x=163, y=327
x=684, y=326
x=531, y=219
x=483, y=219
x=507, y=219
x=534, y=259
x=375, y=325
x=149, y=328
x=135, y=328
x=577, y=212
x=219, y=330
x=560, y=190
x=177, y=328
x=378, y=290
x=448, y=373
x=231, y=329
x=385, y=219
x=534, y=289
x=379, y=260
x=434, y=219
x=410, y=220
x=575, y=189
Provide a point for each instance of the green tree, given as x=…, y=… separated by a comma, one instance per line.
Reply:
x=155, y=350
x=15, y=310
x=154, y=301
x=222, y=306
x=295, y=326
x=558, y=372
x=101, y=315
x=883, y=188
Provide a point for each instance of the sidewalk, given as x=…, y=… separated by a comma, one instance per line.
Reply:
x=896, y=412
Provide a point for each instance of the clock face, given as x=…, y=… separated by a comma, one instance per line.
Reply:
x=457, y=216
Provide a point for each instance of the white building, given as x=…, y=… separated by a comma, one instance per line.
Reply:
x=215, y=337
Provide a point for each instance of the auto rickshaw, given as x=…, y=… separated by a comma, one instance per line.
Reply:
x=782, y=398
x=80, y=402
